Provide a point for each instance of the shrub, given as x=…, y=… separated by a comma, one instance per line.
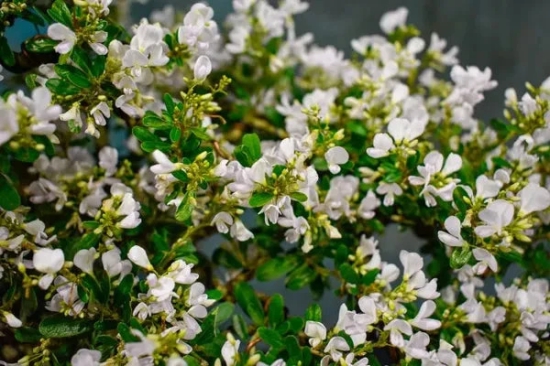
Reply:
x=128, y=148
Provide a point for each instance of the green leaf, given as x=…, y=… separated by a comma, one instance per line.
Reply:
x=460, y=257
x=9, y=197
x=276, y=310
x=27, y=335
x=276, y=267
x=73, y=75
x=26, y=154
x=370, y=277
x=298, y=196
x=126, y=334
x=60, y=87
x=249, y=151
x=64, y=327
x=249, y=302
x=239, y=325
x=150, y=146
x=98, y=66
x=6, y=53
x=314, y=313
x=459, y=194
x=271, y=337
x=86, y=242
x=185, y=209
x=40, y=45
x=49, y=149
x=169, y=103
x=94, y=288
x=61, y=13
x=29, y=304
x=222, y=313
x=357, y=127
x=82, y=60
x=152, y=120
x=201, y=133
x=181, y=175
x=348, y=273
x=300, y=277
x=293, y=348
x=143, y=134
x=33, y=17
x=126, y=285
x=175, y=134
x=251, y=142
x=259, y=199
x=30, y=81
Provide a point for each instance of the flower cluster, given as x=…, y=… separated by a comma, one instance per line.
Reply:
x=151, y=174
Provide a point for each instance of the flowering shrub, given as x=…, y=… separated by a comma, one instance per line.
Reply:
x=129, y=147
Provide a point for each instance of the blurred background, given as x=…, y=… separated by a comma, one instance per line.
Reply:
x=509, y=36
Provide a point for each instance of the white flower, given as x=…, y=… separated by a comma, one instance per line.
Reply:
x=113, y=265
x=48, y=261
x=496, y=216
x=96, y=42
x=416, y=346
x=393, y=19
x=164, y=165
x=161, y=288
x=230, y=350
x=397, y=328
x=412, y=263
x=108, y=159
x=181, y=272
x=198, y=301
x=147, y=48
x=369, y=313
x=138, y=255
x=84, y=259
x=145, y=347
x=60, y=32
x=66, y=297
x=422, y=321
x=129, y=207
x=12, y=320
x=487, y=188
x=316, y=332
x=176, y=361
x=452, y=237
x=240, y=232
x=222, y=220
x=433, y=165
x=86, y=357
x=9, y=126
x=100, y=112
x=336, y=156
x=202, y=68
x=533, y=198
x=335, y=347
x=521, y=347
x=141, y=311
x=485, y=259
x=400, y=132
x=367, y=206
x=389, y=191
